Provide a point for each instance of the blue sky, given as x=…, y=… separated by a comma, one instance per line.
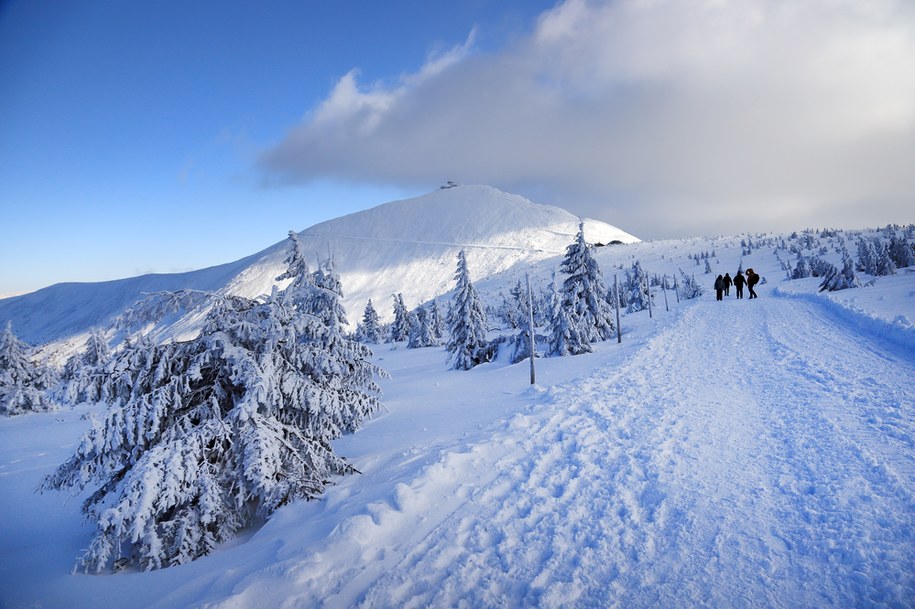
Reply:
x=129, y=130
x=165, y=136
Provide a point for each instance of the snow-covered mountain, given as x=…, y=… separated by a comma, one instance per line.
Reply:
x=407, y=247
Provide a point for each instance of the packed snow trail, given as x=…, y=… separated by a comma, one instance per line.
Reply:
x=753, y=454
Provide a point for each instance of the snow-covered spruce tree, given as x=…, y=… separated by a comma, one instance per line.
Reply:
x=22, y=381
x=400, y=327
x=819, y=267
x=219, y=431
x=688, y=287
x=86, y=376
x=584, y=316
x=884, y=262
x=421, y=334
x=565, y=338
x=467, y=344
x=800, y=270
x=519, y=301
x=900, y=251
x=514, y=311
x=522, y=340
x=841, y=280
x=436, y=321
x=867, y=257
x=159, y=309
x=508, y=312
x=617, y=293
x=636, y=289
x=370, y=329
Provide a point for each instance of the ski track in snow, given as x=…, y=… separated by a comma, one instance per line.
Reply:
x=785, y=479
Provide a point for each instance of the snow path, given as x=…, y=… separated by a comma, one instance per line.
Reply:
x=641, y=487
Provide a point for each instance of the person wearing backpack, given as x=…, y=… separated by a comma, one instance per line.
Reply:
x=727, y=284
x=752, y=280
x=738, y=283
x=719, y=287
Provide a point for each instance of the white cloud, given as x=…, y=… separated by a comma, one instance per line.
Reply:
x=661, y=116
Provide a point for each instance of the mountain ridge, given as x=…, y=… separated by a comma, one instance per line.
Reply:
x=406, y=246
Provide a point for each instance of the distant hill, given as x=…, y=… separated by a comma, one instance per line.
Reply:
x=407, y=247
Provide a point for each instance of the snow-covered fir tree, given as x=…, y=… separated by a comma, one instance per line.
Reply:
x=867, y=257
x=584, y=315
x=22, y=381
x=467, y=344
x=836, y=279
x=636, y=286
x=688, y=288
x=436, y=321
x=370, y=328
x=509, y=312
x=617, y=294
x=884, y=262
x=520, y=303
x=819, y=267
x=216, y=433
x=400, y=327
x=801, y=270
x=421, y=334
x=86, y=376
x=159, y=309
x=900, y=251
x=565, y=338
x=526, y=331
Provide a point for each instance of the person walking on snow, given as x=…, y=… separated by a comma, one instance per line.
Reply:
x=752, y=279
x=719, y=287
x=727, y=284
x=738, y=283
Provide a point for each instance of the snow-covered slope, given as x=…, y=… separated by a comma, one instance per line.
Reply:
x=67, y=309
x=405, y=246
x=411, y=246
x=735, y=454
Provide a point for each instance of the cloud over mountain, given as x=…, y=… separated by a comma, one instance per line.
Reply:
x=665, y=117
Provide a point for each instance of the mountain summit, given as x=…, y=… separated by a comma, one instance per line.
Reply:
x=411, y=246
x=408, y=246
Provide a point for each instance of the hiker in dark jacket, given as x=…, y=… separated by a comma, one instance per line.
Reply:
x=719, y=287
x=738, y=283
x=727, y=284
x=752, y=279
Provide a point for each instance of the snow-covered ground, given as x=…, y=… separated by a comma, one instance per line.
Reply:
x=745, y=453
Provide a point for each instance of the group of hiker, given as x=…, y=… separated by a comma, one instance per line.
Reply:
x=723, y=284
